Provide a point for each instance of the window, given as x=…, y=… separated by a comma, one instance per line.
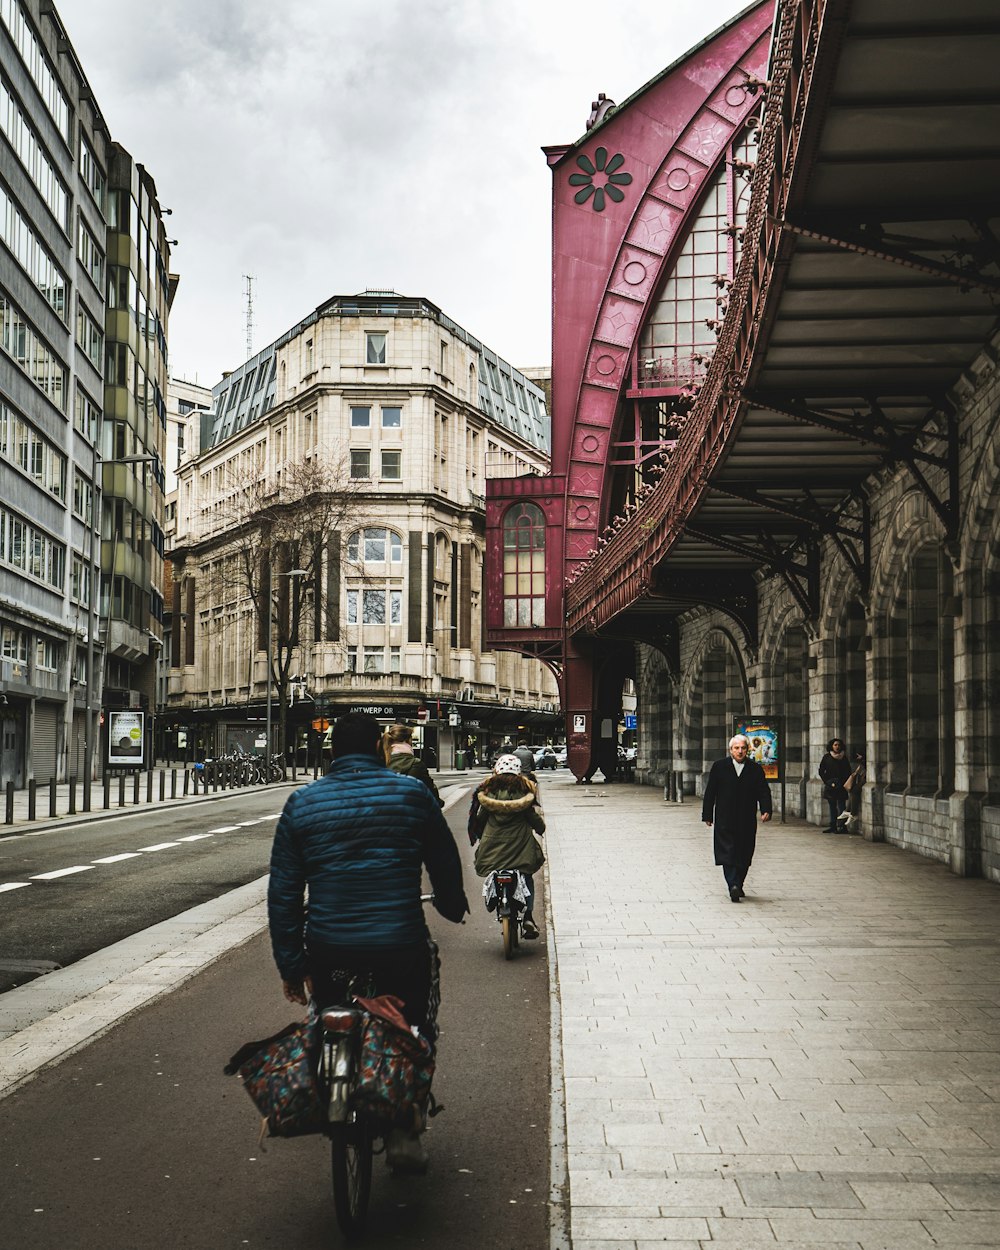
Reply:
x=444, y=358
x=373, y=607
x=394, y=659
x=89, y=336
x=310, y=364
x=18, y=338
x=524, y=566
x=392, y=465
x=508, y=388
x=361, y=464
x=395, y=608
x=47, y=655
x=392, y=418
x=91, y=173
x=352, y=659
x=14, y=644
x=361, y=418
x=375, y=349
x=83, y=498
x=91, y=256
x=352, y=607
x=32, y=156
x=376, y=543
x=374, y=659
x=33, y=257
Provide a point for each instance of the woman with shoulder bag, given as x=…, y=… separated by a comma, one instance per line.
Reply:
x=504, y=818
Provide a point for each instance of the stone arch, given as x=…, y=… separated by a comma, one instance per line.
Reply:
x=656, y=705
x=783, y=690
x=978, y=681
x=716, y=691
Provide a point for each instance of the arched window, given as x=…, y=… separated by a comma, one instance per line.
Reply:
x=524, y=566
x=375, y=546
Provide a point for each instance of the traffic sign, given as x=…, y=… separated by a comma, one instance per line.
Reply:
x=321, y=724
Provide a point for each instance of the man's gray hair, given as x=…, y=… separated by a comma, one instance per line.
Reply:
x=740, y=738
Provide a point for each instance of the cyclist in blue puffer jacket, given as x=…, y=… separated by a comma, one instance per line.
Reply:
x=357, y=841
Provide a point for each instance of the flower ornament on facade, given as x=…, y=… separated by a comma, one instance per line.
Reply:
x=600, y=179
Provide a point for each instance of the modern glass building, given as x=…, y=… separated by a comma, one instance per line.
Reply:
x=74, y=492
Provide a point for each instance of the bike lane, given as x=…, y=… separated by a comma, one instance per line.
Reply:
x=138, y=1140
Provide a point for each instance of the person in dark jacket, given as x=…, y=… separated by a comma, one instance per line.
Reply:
x=357, y=840
x=503, y=820
x=736, y=788
x=834, y=769
x=397, y=747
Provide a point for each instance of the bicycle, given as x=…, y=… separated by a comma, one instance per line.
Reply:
x=353, y=1129
x=509, y=908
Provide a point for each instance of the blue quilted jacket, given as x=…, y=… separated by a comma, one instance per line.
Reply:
x=357, y=840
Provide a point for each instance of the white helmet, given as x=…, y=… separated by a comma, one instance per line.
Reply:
x=507, y=764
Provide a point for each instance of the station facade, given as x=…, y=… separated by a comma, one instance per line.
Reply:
x=775, y=418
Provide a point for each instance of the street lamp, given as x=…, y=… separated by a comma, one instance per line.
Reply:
x=270, y=647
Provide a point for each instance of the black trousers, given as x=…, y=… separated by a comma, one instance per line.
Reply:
x=411, y=973
x=735, y=874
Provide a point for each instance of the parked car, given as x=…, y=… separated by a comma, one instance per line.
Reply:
x=545, y=757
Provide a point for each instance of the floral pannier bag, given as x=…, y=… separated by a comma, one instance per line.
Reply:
x=396, y=1064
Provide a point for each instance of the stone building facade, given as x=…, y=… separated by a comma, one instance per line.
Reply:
x=414, y=415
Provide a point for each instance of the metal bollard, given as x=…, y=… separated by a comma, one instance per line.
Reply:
x=121, y=789
x=149, y=786
x=52, y=796
x=72, y=797
x=135, y=788
x=187, y=778
x=173, y=783
x=163, y=785
x=8, y=816
x=107, y=791
x=32, y=797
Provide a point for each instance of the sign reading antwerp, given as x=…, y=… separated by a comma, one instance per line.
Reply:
x=125, y=737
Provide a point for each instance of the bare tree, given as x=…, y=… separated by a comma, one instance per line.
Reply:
x=277, y=537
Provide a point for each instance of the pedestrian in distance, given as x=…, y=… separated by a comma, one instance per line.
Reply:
x=736, y=789
x=504, y=818
x=834, y=769
x=847, y=821
x=356, y=841
x=397, y=748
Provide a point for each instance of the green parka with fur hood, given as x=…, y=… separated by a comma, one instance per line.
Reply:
x=505, y=816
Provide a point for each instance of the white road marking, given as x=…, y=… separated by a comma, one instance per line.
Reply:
x=61, y=872
x=114, y=859
x=159, y=846
x=224, y=829
x=13, y=885
x=194, y=837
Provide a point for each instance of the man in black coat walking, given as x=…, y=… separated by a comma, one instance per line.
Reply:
x=736, y=788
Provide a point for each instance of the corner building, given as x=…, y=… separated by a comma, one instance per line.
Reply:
x=411, y=416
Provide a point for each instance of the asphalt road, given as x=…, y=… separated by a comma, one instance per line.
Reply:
x=140, y=1143
x=150, y=873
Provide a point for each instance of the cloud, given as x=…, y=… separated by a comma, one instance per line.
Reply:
x=329, y=145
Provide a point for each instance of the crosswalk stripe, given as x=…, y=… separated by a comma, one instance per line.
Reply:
x=159, y=846
x=13, y=885
x=114, y=859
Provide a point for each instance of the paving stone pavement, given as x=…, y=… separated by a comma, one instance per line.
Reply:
x=818, y=1066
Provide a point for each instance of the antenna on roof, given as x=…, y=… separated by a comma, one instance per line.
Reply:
x=248, y=309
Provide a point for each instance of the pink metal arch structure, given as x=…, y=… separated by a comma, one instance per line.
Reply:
x=624, y=199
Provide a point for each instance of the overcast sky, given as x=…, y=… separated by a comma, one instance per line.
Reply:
x=326, y=146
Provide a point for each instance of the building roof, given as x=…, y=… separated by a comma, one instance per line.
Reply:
x=506, y=396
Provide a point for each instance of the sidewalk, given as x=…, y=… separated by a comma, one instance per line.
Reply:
x=816, y=1066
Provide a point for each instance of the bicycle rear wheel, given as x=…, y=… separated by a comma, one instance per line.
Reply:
x=509, y=936
x=351, y=1146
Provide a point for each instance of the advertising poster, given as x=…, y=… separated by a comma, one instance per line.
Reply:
x=764, y=734
x=125, y=737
